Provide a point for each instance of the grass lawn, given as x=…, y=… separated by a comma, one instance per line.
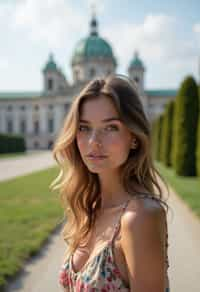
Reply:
x=188, y=188
x=29, y=211
x=10, y=155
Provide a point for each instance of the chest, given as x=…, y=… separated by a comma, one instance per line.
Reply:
x=96, y=243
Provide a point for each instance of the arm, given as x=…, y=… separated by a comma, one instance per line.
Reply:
x=143, y=236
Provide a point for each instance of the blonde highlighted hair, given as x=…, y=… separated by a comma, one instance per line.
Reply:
x=79, y=188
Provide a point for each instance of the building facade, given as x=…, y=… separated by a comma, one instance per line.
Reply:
x=38, y=116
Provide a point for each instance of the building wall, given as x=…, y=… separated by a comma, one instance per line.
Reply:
x=83, y=71
x=41, y=110
x=43, y=118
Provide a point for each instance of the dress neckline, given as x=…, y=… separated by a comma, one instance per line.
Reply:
x=109, y=243
x=90, y=259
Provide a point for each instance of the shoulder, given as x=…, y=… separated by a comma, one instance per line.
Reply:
x=142, y=242
x=143, y=213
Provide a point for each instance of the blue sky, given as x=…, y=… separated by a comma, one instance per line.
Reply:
x=166, y=34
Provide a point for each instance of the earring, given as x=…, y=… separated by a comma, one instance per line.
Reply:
x=134, y=144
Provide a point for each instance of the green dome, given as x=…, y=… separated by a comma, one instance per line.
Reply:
x=50, y=65
x=136, y=62
x=92, y=46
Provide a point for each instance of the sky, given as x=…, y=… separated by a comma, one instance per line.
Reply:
x=165, y=33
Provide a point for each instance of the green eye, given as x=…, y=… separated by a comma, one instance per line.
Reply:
x=83, y=128
x=112, y=127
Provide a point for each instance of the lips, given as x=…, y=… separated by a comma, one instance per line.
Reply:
x=96, y=156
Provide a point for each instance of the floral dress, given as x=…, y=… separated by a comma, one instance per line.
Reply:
x=100, y=274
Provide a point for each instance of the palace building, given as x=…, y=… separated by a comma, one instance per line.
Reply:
x=38, y=116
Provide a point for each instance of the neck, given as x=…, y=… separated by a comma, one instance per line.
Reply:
x=112, y=191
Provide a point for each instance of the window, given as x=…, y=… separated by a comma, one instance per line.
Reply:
x=136, y=79
x=50, y=144
x=23, y=107
x=36, y=145
x=66, y=107
x=36, y=127
x=50, y=125
x=92, y=72
x=9, y=108
x=23, y=126
x=76, y=74
x=50, y=84
x=9, y=126
x=36, y=107
x=50, y=106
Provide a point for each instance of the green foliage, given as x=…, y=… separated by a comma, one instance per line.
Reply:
x=29, y=212
x=166, y=137
x=160, y=125
x=198, y=141
x=12, y=143
x=185, y=128
x=188, y=188
x=156, y=136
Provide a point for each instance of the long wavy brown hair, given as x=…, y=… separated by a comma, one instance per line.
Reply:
x=79, y=188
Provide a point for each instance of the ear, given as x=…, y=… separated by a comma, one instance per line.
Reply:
x=134, y=143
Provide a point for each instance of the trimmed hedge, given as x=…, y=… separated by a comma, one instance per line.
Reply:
x=198, y=142
x=166, y=138
x=12, y=143
x=185, y=128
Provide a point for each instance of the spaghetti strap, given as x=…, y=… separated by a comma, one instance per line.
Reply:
x=117, y=225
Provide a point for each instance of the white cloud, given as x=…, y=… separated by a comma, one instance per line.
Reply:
x=157, y=40
x=49, y=21
x=196, y=28
x=4, y=63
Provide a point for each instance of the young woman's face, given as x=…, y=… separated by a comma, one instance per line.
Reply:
x=102, y=135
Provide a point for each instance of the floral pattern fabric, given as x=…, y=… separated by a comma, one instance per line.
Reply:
x=100, y=274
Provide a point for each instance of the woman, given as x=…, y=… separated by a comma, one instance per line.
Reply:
x=116, y=226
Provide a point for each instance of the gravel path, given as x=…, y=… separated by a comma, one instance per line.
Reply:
x=30, y=162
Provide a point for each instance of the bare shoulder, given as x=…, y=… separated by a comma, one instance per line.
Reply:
x=142, y=242
x=145, y=211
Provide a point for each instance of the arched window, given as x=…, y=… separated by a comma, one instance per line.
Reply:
x=66, y=107
x=9, y=126
x=36, y=145
x=36, y=127
x=23, y=107
x=36, y=107
x=50, y=84
x=50, y=125
x=9, y=108
x=136, y=79
x=50, y=144
x=23, y=126
x=50, y=106
x=92, y=72
x=76, y=75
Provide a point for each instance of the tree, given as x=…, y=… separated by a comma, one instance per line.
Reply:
x=166, y=139
x=185, y=128
x=198, y=142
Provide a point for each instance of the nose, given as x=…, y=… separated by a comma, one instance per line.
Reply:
x=94, y=138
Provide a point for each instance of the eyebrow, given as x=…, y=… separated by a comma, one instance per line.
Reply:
x=104, y=121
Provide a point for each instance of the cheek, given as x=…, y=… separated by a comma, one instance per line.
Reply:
x=118, y=144
x=80, y=143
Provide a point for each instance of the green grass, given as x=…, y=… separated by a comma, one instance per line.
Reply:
x=188, y=188
x=8, y=155
x=29, y=212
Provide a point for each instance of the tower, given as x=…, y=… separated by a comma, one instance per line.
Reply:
x=136, y=71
